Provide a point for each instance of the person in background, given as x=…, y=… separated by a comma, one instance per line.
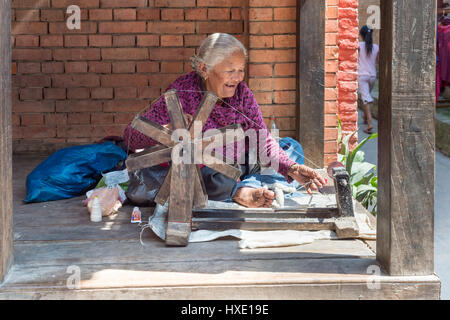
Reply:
x=367, y=72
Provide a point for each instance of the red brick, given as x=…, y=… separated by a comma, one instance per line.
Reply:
x=52, y=15
x=54, y=119
x=272, y=55
x=100, y=14
x=102, y=93
x=193, y=40
x=284, y=13
x=125, y=93
x=75, y=80
x=165, y=27
x=236, y=14
x=260, y=70
x=30, y=4
x=175, y=3
x=124, y=80
x=27, y=15
x=77, y=93
x=196, y=14
x=124, y=54
x=171, y=53
x=123, y=3
x=124, y=105
x=76, y=67
x=172, y=14
x=285, y=69
x=284, y=83
x=81, y=3
x=122, y=27
x=78, y=118
x=61, y=28
x=124, y=14
x=219, y=14
x=100, y=40
x=123, y=118
x=270, y=3
x=171, y=40
x=52, y=67
x=124, y=67
x=29, y=67
x=99, y=67
x=222, y=26
x=78, y=106
x=148, y=40
x=54, y=93
x=31, y=54
x=76, y=54
x=102, y=118
x=261, y=41
x=124, y=41
x=24, y=81
x=38, y=132
x=263, y=98
x=148, y=14
x=31, y=94
x=222, y=3
x=265, y=27
x=33, y=106
x=28, y=28
x=285, y=96
x=285, y=41
x=52, y=41
x=171, y=67
x=260, y=84
x=75, y=41
x=261, y=14
x=147, y=66
x=149, y=92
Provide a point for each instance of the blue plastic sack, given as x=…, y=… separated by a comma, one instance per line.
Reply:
x=72, y=171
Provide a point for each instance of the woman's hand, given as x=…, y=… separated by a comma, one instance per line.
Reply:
x=307, y=177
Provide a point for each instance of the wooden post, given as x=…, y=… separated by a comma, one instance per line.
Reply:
x=6, y=210
x=406, y=144
x=311, y=79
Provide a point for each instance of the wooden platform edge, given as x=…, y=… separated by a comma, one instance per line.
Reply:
x=397, y=288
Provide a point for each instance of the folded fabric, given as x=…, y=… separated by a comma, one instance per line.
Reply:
x=70, y=172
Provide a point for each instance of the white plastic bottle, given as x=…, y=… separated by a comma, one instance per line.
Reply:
x=96, y=210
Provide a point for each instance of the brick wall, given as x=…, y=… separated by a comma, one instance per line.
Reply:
x=341, y=72
x=75, y=87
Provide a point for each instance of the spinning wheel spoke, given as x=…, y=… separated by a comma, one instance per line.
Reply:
x=175, y=110
x=164, y=190
x=149, y=158
x=203, y=111
x=153, y=130
x=200, y=195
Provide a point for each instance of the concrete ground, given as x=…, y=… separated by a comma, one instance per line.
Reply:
x=441, y=207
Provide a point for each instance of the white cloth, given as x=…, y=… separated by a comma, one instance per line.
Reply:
x=366, y=84
x=367, y=64
x=256, y=239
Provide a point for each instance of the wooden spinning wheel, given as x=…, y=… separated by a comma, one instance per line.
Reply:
x=183, y=185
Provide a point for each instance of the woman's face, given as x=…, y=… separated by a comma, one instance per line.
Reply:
x=224, y=78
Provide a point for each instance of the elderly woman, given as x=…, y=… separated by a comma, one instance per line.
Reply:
x=219, y=68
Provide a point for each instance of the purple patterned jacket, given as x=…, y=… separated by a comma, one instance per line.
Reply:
x=242, y=109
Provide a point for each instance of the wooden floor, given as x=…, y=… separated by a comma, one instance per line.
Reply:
x=55, y=240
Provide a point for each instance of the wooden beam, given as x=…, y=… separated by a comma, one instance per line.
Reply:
x=153, y=130
x=6, y=206
x=406, y=144
x=311, y=79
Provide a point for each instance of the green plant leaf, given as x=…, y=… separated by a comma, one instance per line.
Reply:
x=351, y=156
x=359, y=172
x=359, y=157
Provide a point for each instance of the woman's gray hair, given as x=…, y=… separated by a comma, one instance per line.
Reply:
x=215, y=48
